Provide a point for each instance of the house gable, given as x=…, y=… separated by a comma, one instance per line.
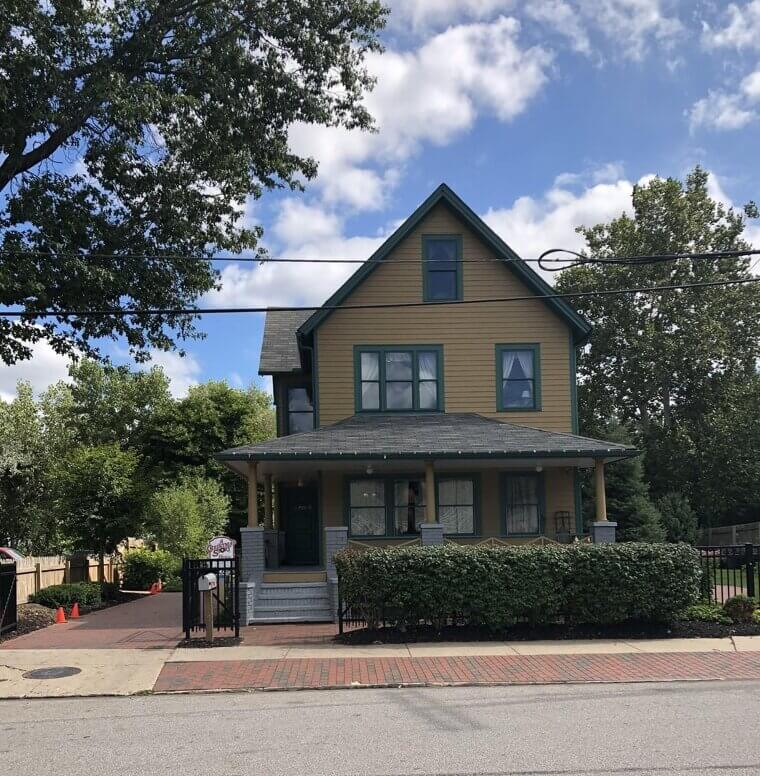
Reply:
x=444, y=196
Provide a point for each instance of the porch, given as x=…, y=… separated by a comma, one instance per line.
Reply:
x=414, y=479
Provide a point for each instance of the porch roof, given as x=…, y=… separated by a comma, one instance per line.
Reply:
x=426, y=436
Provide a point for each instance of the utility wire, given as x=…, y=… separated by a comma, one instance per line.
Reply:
x=545, y=258
x=120, y=311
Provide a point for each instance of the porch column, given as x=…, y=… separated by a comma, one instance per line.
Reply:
x=268, y=502
x=602, y=531
x=431, y=531
x=429, y=492
x=253, y=498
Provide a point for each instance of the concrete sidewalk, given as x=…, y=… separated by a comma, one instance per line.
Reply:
x=131, y=671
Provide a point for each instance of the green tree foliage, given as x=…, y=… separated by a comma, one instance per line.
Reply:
x=183, y=517
x=663, y=362
x=178, y=112
x=678, y=518
x=212, y=417
x=97, y=497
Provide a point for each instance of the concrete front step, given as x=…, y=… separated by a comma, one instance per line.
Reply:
x=285, y=577
x=295, y=590
x=293, y=602
x=288, y=619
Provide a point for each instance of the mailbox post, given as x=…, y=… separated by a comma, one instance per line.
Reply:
x=207, y=584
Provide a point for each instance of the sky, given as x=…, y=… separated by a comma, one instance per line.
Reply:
x=541, y=115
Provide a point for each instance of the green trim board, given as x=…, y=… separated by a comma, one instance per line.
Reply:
x=505, y=479
x=381, y=351
x=573, y=369
x=535, y=349
x=426, y=456
x=389, y=505
x=443, y=194
x=427, y=268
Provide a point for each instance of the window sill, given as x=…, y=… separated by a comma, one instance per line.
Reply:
x=519, y=409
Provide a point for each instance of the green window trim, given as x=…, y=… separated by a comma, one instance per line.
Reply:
x=427, y=240
x=504, y=487
x=381, y=351
x=535, y=349
x=390, y=506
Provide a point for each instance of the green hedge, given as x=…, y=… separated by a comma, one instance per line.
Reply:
x=144, y=567
x=82, y=593
x=497, y=587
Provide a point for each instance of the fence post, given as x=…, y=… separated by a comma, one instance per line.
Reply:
x=37, y=577
x=749, y=563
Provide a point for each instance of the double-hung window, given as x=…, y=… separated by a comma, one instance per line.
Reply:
x=300, y=410
x=456, y=504
x=398, y=379
x=518, y=377
x=386, y=506
x=523, y=504
x=441, y=268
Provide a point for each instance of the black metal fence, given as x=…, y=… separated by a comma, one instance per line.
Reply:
x=225, y=599
x=729, y=571
x=8, y=621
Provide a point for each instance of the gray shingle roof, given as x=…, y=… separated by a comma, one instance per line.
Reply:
x=279, y=347
x=462, y=435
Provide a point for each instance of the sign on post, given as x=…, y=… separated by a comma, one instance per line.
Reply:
x=221, y=547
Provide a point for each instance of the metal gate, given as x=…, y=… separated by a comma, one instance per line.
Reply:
x=730, y=570
x=7, y=597
x=225, y=599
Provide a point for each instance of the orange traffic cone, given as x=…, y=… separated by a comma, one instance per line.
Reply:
x=60, y=616
x=159, y=586
x=153, y=589
x=74, y=614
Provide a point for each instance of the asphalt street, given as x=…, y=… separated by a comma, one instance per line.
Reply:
x=684, y=728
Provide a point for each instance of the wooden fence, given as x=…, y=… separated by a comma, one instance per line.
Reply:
x=729, y=535
x=35, y=573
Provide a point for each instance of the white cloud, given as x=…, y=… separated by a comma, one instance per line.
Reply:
x=42, y=370
x=741, y=28
x=429, y=95
x=728, y=110
x=182, y=371
x=421, y=15
x=563, y=18
x=533, y=225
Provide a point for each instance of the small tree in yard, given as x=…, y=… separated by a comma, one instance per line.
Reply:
x=97, y=498
x=184, y=517
x=678, y=518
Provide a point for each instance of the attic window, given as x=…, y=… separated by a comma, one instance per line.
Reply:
x=442, y=268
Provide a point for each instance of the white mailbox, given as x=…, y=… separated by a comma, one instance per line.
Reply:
x=207, y=582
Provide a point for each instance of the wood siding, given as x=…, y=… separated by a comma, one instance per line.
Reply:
x=468, y=333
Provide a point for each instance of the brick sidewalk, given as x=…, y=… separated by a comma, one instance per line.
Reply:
x=334, y=673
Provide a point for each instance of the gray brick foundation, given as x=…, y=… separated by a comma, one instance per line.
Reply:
x=603, y=532
x=431, y=533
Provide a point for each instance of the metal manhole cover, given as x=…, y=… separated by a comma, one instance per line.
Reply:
x=55, y=672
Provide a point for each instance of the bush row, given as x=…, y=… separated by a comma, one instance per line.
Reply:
x=144, y=567
x=497, y=587
x=86, y=594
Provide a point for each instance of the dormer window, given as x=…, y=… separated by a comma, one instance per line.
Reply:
x=404, y=378
x=442, y=268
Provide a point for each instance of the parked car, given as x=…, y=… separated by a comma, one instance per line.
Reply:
x=6, y=553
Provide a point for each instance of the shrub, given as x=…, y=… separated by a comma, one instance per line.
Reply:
x=496, y=587
x=678, y=518
x=705, y=611
x=173, y=585
x=144, y=567
x=184, y=517
x=739, y=608
x=83, y=593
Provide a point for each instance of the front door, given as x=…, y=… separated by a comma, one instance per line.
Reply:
x=299, y=508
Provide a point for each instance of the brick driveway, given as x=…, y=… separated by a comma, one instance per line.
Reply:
x=334, y=673
x=150, y=622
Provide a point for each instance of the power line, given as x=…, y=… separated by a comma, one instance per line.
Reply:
x=542, y=260
x=120, y=311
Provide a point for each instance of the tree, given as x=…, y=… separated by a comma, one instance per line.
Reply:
x=178, y=112
x=213, y=417
x=678, y=518
x=185, y=516
x=628, y=502
x=98, y=498
x=662, y=362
